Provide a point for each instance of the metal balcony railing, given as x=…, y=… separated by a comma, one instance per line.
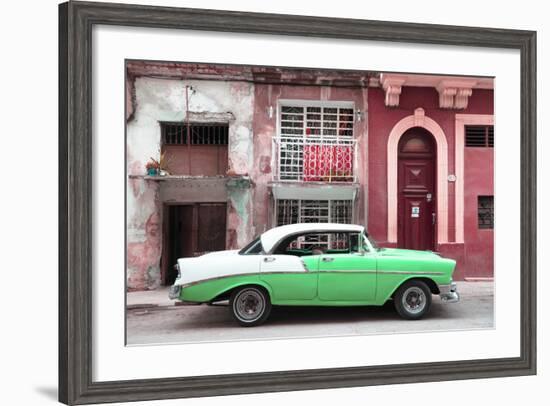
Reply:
x=315, y=158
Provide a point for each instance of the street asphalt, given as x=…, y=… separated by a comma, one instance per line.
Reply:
x=152, y=319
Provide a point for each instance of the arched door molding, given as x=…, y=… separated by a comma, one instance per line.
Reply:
x=418, y=119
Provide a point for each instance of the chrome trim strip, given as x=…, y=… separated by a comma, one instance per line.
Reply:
x=411, y=273
x=369, y=271
x=381, y=272
x=343, y=271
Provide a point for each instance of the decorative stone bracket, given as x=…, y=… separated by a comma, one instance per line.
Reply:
x=454, y=94
x=392, y=85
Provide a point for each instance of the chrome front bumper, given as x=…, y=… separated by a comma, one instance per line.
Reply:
x=174, y=292
x=449, y=293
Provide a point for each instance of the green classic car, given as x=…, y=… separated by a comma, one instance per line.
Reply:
x=315, y=264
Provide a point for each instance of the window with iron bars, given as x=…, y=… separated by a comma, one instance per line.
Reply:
x=197, y=149
x=480, y=136
x=199, y=133
x=485, y=212
x=316, y=143
x=325, y=122
x=292, y=211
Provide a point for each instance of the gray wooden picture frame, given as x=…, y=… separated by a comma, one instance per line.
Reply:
x=76, y=20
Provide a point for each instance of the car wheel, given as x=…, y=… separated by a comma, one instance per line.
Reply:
x=413, y=300
x=250, y=306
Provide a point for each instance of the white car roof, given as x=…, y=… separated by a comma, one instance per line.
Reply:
x=273, y=236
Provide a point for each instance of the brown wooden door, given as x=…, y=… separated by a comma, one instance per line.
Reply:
x=416, y=188
x=191, y=230
x=211, y=227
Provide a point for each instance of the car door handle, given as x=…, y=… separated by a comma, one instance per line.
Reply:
x=328, y=259
x=269, y=259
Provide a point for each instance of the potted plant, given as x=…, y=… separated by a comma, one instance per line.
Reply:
x=152, y=167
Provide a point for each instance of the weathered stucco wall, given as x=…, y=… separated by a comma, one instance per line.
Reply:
x=158, y=100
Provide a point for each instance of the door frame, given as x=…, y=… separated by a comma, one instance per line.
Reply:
x=401, y=201
x=165, y=251
x=419, y=119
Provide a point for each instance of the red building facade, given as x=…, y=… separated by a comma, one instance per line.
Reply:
x=408, y=156
x=466, y=175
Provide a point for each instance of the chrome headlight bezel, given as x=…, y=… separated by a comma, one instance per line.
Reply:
x=178, y=270
x=174, y=292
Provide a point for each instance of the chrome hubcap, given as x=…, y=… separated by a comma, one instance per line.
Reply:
x=249, y=305
x=414, y=300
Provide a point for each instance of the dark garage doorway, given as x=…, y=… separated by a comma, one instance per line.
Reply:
x=191, y=230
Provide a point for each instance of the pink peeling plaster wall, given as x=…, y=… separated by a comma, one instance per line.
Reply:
x=265, y=128
x=143, y=252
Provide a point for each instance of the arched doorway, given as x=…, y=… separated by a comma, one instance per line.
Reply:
x=416, y=187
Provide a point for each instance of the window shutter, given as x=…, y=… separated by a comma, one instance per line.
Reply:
x=479, y=136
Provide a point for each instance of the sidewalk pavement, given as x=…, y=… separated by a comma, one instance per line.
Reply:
x=149, y=298
x=159, y=297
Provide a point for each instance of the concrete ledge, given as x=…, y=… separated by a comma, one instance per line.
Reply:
x=314, y=190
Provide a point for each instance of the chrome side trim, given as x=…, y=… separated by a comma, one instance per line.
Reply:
x=369, y=271
x=411, y=273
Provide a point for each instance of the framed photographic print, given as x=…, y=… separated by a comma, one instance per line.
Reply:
x=259, y=202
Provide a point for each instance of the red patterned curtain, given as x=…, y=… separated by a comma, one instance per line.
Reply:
x=328, y=163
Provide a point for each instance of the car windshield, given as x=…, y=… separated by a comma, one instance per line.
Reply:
x=252, y=248
x=373, y=243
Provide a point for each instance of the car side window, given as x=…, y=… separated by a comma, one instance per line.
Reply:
x=320, y=243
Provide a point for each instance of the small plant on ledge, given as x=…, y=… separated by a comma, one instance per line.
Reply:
x=158, y=167
x=152, y=167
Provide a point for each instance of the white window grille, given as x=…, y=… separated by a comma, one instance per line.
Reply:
x=291, y=211
x=324, y=122
x=316, y=143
